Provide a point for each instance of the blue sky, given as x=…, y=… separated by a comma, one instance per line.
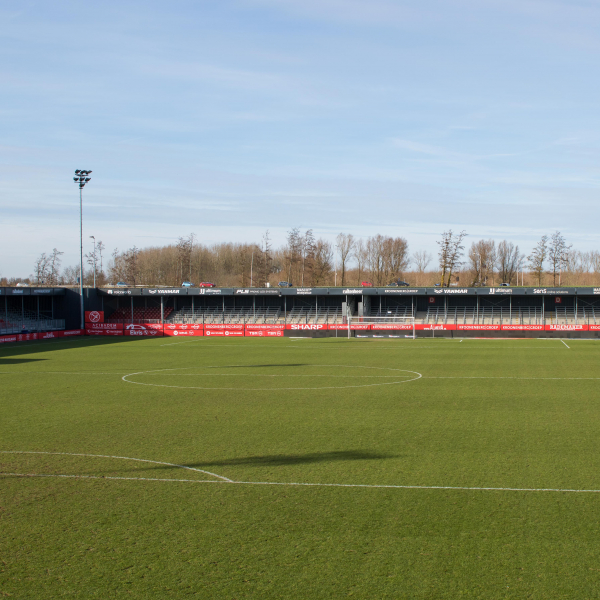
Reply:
x=228, y=118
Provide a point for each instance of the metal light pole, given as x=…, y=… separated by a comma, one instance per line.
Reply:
x=81, y=178
x=92, y=237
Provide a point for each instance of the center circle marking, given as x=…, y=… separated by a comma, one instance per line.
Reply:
x=414, y=375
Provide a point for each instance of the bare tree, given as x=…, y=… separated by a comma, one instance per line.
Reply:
x=482, y=258
x=55, y=261
x=361, y=255
x=293, y=253
x=266, y=259
x=308, y=254
x=396, y=257
x=323, y=260
x=422, y=258
x=185, y=247
x=41, y=268
x=375, y=258
x=508, y=261
x=450, y=253
x=557, y=251
x=538, y=257
x=345, y=246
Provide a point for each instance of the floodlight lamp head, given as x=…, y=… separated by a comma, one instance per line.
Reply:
x=87, y=179
x=77, y=171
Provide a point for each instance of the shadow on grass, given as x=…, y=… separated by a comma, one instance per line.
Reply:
x=53, y=345
x=6, y=362
x=282, y=460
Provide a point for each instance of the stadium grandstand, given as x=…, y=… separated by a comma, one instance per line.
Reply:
x=311, y=311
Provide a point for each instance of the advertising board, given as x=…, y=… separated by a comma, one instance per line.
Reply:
x=103, y=332
x=522, y=327
x=263, y=332
x=223, y=332
x=183, y=332
x=566, y=328
x=105, y=326
x=94, y=316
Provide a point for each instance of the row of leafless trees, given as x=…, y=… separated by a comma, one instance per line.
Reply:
x=307, y=261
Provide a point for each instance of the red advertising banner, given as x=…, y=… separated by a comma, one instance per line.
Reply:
x=308, y=327
x=142, y=332
x=227, y=326
x=134, y=329
x=593, y=327
x=49, y=335
x=430, y=327
x=184, y=332
x=103, y=332
x=183, y=327
x=114, y=326
x=270, y=326
x=522, y=327
x=94, y=316
x=28, y=337
x=353, y=327
x=566, y=328
x=391, y=326
x=477, y=327
x=223, y=332
x=263, y=332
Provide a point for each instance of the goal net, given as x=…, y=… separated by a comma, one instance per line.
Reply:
x=399, y=325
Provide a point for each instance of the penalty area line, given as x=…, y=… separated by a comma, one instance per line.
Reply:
x=306, y=484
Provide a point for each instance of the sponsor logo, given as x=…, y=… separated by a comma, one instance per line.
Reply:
x=17, y=291
x=596, y=291
x=120, y=292
x=501, y=290
x=242, y=291
x=565, y=327
x=349, y=291
x=401, y=291
x=539, y=291
x=155, y=291
x=307, y=327
x=133, y=327
x=48, y=335
x=452, y=291
x=303, y=290
x=94, y=316
x=522, y=327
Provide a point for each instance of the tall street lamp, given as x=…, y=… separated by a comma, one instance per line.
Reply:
x=81, y=178
x=93, y=238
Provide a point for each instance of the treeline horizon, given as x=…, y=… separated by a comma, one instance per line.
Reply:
x=305, y=261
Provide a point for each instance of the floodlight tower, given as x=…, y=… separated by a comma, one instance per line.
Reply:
x=81, y=178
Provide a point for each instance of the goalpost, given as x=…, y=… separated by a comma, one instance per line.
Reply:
x=387, y=324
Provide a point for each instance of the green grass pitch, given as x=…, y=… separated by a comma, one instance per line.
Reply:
x=437, y=469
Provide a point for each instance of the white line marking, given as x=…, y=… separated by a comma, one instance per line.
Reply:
x=155, y=462
x=525, y=378
x=124, y=378
x=56, y=373
x=563, y=341
x=297, y=484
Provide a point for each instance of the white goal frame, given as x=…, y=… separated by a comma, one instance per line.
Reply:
x=385, y=323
